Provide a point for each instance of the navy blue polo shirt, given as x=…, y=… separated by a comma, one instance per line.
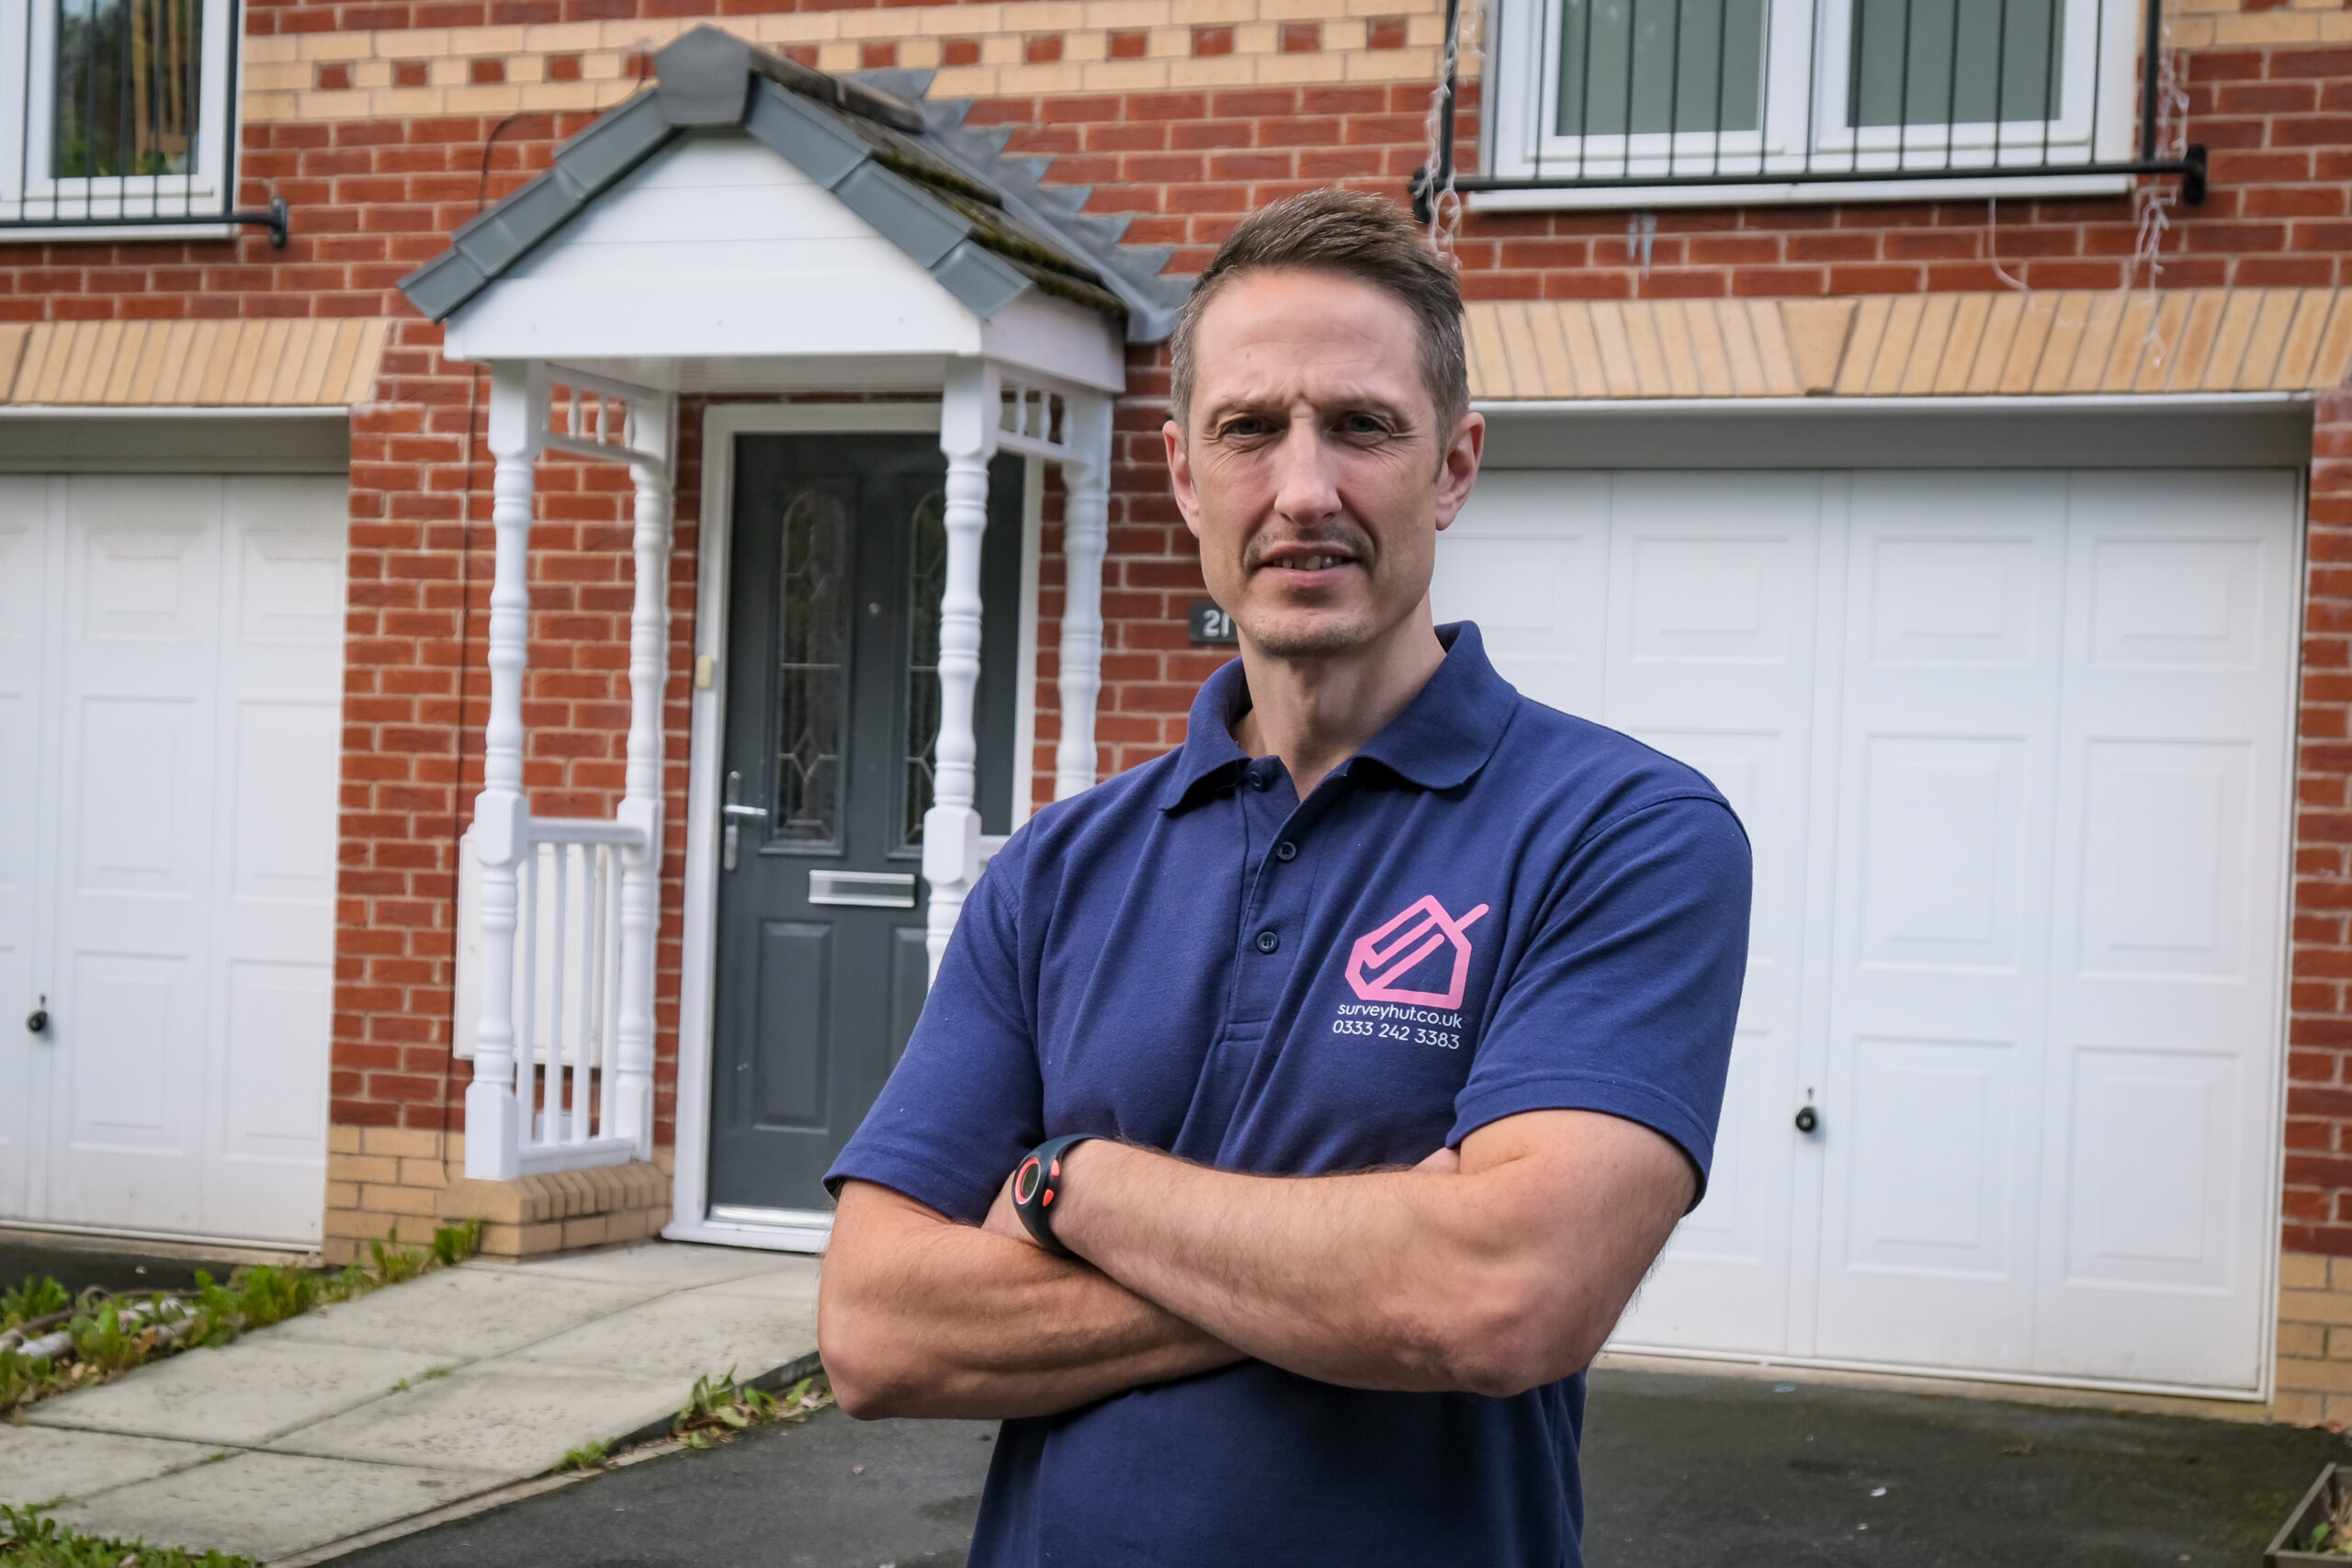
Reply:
x=1492, y=908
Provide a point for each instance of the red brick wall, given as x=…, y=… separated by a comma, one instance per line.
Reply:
x=372, y=199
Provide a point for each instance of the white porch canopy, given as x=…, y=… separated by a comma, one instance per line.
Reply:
x=753, y=228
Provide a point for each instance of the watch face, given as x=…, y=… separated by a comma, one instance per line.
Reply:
x=1027, y=1181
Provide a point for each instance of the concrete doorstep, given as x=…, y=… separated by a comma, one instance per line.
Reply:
x=414, y=1398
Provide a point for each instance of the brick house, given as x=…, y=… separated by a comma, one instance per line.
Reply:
x=756, y=512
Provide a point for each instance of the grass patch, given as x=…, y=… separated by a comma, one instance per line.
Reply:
x=30, y=1539
x=720, y=1407
x=53, y=1340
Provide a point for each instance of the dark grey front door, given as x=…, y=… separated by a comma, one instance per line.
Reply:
x=833, y=714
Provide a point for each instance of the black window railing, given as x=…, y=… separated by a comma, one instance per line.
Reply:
x=1631, y=94
x=124, y=119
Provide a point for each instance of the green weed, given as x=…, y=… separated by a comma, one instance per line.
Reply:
x=452, y=1245
x=30, y=1539
x=589, y=1455
x=34, y=1298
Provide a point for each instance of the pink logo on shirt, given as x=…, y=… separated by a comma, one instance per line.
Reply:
x=1389, y=954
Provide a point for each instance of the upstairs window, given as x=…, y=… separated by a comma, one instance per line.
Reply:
x=122, y=112
x=1615, y=95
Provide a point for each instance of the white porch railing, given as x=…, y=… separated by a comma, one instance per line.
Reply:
x=568, y=948
x=575, y=1089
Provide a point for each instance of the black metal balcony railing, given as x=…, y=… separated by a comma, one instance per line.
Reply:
x=1654, y=93
x=114, y=126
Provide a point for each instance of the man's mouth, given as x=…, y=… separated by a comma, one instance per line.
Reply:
x=1310, y=563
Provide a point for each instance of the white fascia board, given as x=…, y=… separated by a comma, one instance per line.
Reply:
x=1069, y=342
x=832, y=313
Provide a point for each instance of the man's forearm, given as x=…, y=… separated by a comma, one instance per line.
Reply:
x=919, y=1315
x=1504, y=1274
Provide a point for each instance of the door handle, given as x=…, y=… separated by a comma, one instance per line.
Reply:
x=37, y=1020
x=734, y=810
x=732, y=814
x=1808, y=1119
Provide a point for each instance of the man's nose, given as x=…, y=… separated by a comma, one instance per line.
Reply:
x=1306, y=488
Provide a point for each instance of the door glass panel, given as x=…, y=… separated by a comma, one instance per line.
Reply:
x=926, y=581
x=127, y=90
x=813, y=669
x=1956, y=62
x=1648, y=66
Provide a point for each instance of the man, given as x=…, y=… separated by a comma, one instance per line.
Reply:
x=1397, y=1007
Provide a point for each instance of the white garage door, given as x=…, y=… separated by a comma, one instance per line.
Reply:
x=2012, y=749
x=171, y=673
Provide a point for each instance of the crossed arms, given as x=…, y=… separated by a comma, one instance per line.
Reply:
x=1490, y=1271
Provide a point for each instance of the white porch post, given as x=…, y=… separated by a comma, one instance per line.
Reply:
x=652, y=429
x=1085, y=535
x=969, y=418
x=519, y=421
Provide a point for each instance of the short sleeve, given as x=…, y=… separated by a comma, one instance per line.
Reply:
x=1624, y=998
x=965, y=1100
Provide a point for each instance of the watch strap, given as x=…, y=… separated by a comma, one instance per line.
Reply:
x=1037, y=1182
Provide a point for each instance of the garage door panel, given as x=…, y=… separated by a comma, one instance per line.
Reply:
x=194, y=694
x=26, y=592
x=1528, y=560
x=2030, y=960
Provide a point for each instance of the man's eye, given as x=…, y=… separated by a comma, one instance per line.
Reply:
x=1247, y=425
x=1363, y=425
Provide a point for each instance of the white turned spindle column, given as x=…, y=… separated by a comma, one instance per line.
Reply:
x=951, y=829
x=1085, y=535
x=649, y=671
x=518, y=417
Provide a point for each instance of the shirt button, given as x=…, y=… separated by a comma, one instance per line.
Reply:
x=1268, y=941
x=1259, y=781
x=1286, y=850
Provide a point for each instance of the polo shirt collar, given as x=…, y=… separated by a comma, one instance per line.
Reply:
x=1442, y=738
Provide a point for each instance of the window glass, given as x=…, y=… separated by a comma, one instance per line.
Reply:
x=1649, y=66
x=126, y=87
x=1956, y=62
x=926, y=581
x=813, y=669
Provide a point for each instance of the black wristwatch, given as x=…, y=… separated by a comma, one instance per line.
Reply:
x=1034, y=1184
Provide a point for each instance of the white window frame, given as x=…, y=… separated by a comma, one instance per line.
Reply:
x=1522, y=68
x=31, y=195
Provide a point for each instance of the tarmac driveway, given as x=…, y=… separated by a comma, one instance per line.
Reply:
x=1682, y=1472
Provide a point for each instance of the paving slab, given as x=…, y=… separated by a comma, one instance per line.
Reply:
x=267, y=1506
x=667, y=1265
x=242, y=1395
x=465, y=1315
x=46, y=1464
x=494, y=1418
x=686, y=1336
x=794, y=1281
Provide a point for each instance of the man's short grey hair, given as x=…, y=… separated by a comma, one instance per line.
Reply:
x=1355, y=234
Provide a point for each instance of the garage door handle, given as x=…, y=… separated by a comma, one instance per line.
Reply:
x=1808, y=1119
x=38, y=1021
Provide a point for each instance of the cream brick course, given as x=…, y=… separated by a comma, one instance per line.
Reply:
x=1043, y=17
x=2299, y=1409
x=1126, y=15
x=965, y=81
x=2266, y=27
x=2322, y=1377
x=1083, y=48
x=292, y=77
x=2339, y=1273
x=527, y=68
x=343, y=1195
x=487, y=40
x=800, y=26
x=490, y=97
x=363, y=1168
x=447, y=73
x=1426, y=30
x=1000, y=50
x=406, y=1201
x=1212, y=13
x=1065, y=76
x=271, y=50
x=1216, y=71
x=960, y=21
x=271, y=106
x=632, y=32
x=432, y=1173
x=1169, y=43
x=837, y=57
x=2302, y=1271
x=601, y=67
x=416, y=43
x=2314, y=1306
x=1294, y=10
x=1254, y=37
x=371, y=73
x=400, y=103
x=338, y=46
x=414, y=1143
x=1343, y=37
x=1126, y=76
x=1290, y=70
x=1393, y=65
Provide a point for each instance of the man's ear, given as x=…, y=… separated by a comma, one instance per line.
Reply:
x=1459, y=469
x=1180, y=476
